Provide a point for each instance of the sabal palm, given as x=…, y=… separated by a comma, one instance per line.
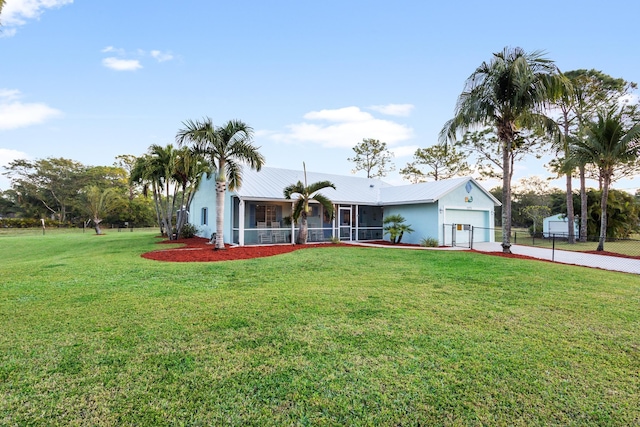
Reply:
x=305, y=193
x=227, y=148
x=609, y=142
x=509, y=93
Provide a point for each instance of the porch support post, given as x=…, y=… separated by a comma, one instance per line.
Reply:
x=241, y=223
x=293, y=226
x=356, y=222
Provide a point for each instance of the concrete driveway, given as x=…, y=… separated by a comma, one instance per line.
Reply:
x=626, y=265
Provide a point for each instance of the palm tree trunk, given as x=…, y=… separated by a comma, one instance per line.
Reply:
x=156, y=200
x=603, y=211
x=583, y=205
x=506, y=197
x=571, y=234
x=97, y=222
x=221, y=187
x=304, y=228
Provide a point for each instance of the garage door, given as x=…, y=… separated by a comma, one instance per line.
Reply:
x=465, y=220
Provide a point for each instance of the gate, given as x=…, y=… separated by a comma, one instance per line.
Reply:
x=458, y=235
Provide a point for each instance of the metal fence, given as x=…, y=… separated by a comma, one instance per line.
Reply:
x=465, y=235
x=625, y=247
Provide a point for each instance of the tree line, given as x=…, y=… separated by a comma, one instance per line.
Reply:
x=518, y=104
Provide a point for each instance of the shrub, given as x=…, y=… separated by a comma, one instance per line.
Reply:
x=429, y=242
x=394, y=226
x=188, y=231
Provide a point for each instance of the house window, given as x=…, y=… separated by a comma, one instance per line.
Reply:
x=265, y=213
x=204, y=217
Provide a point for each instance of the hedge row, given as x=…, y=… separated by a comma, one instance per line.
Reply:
x=29, y=223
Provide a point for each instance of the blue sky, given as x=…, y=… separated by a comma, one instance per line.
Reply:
x=89, y=80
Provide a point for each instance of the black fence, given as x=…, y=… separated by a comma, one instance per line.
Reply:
x=625, y=247
x=465, y=235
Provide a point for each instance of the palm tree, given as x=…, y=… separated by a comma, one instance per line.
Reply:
x=394, y=226
x=227, y=148
x=305, y=194
x=155, y=170
x=509, y=93
x=609, y=142
x=189, y=168
x=98, y=203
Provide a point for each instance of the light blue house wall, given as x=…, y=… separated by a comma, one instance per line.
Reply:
x=466, y=204
x=205, y=197
x=423, y=218
x=426, y=207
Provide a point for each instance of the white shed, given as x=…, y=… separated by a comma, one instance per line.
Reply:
x=557, y=225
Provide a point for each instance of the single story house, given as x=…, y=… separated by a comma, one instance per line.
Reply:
x=257, y=213
x=558, y=225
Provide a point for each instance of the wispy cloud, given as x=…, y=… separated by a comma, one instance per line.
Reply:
x=401, y=110
x=131, y=61
x=18, y=12
x=342, y=127
x=15, y=114
x=111, y=49
x=161, y=56
x=121, y=64
x=6, y=157
x=405, y=150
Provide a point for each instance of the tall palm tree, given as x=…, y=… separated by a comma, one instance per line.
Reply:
x=305, y=194
x=609, y=142
x=509, y=93
x=189, y=168
x=156, y=170
x=227, y=148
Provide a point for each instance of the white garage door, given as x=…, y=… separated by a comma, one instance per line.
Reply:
x=465, y=220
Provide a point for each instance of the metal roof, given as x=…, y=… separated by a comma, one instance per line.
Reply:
x=426, y=192
x=269, y=184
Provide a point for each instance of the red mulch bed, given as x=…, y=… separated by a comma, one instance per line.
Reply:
x=198, y=249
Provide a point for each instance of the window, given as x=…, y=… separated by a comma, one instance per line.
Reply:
x=204, y=216
x=265, y=213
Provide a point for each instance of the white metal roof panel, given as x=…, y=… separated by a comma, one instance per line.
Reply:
x=270, y=183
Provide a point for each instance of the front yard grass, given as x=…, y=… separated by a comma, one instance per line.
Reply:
x=93, y=334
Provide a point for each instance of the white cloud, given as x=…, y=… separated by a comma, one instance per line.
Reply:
x=18, y=12
x=121, y=64
x=6, y=157
x=404, y=151
x=9, y=94
x=341, y=115
x=393, y=109
x=6, y=33
x=161, y=56
x=345, y=128
x=15, y=114
x=121, y=61
x=111, y=49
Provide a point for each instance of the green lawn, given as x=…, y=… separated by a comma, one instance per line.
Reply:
x=93, y=334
